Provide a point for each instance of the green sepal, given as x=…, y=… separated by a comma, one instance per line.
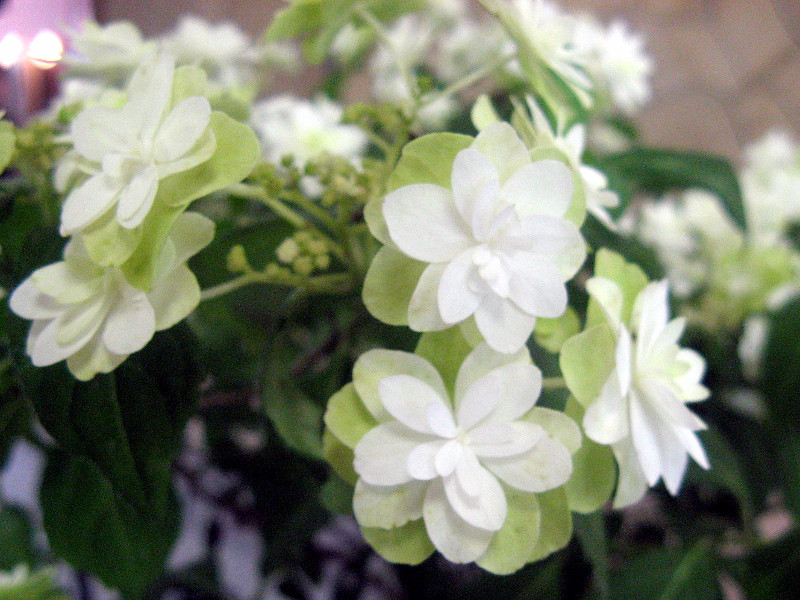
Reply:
x=594, y=471
x=510, y=548
x=586, y=362
x=406, y=545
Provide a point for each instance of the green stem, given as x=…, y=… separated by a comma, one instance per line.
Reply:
x=553, y=383
x=250, y=192
x=383, y=36
x=332, y=283
x=467, y=81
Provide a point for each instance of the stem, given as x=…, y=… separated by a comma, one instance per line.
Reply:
x=250, y=192
x=332, y=283
x=384, y=37
x=553, y=383
x=467, y=81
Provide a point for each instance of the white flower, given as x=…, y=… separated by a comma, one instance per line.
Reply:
x=92, y=317
x=641, y=411
x=497, y=242
x=111, y=51
x=128, y=150
x=572, y=143
x=617, y=61
x=305, y=129
x=449, y=461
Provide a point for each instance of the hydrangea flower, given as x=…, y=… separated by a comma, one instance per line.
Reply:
x=111, y=51
x=454, y=461
x=641, y=411
x=496, y=243
x=126, y=151
x=92, y=317
x=305, y=129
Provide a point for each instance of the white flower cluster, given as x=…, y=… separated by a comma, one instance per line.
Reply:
x=83, y=308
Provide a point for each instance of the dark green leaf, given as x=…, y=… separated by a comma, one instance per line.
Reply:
x=771, y=572
x=656, y=171
x=591, y=532
x=16, y=537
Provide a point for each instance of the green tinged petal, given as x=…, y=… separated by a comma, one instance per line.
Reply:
x=630, y=278
x=445, y=350
x=556, y=524
x=594, y=472
x=108, y=242
x=557, y=425
x=551, y=334
x=188, y=81
x=428, y=159
x=407, y=545
x=586, y=361
x=339, y=456
x=390, y=282
x=510, y=548
x=347, y=418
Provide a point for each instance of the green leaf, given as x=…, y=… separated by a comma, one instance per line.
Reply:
x=445, y=350
x=236, y=154
x=594, y=470
x=669, y=574
x=591, y=532
x=586, y=361
x=771, y=571
x=510, y=547
x=406, y=545
x=16, y=538
x=657, y=171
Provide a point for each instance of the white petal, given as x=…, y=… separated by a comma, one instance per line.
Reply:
x=409, y=400
x=388, y=507
x=458, y=295
x=29, y=303
x=537, y=285
x=540, y=188
x=503, y=395
x=423, y=309
x=487, y=509
x=674, y=462
x=501, y=144
x=449, y=456
x=98, y=131
x=181, y=129
x=631, y=484
x=544, y=234
x=689, y=383
x=199, y=153
x=482, y=360
x=500, y=440
x=608, y=295
x=465, y=469
x=136, y=198
x=505, y=327
x=92, y=359
x=381, y=456
x=671, y=410
x=421, y=460
x=545, y=467
x=150, y=90
x=624, y=368
x=87, y=202
x=644, y=433
x=79, y=322
x=374, y=365
x=606, y=419
x=651, y=313
x=690, y=441
x=472, y=172
x=424, y=223
x=457, y=540
x=43, y=346
x=130, y=324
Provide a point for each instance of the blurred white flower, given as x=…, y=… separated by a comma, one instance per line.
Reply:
x=497, y=242
x=305, y=129
x=92, y=317
x=641, y=411
x=111, y=52
x=126, y=151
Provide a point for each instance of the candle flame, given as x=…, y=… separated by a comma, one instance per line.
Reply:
x=46, y=49
x=12, y=47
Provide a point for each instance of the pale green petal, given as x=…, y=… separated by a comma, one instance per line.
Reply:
x=551, y=334
x=423, y=309
x=181, y=129
x=557, y=425
x=92, y=359
x=510, y=547
x=339, y=456
x=390, y=284
x=586, y=361
x=456, y=539
x=108, y=243
x=374, y=365
x=136, y=198
x=174, y=297
x=608, y=295
x=501, y=144
x=428, y=159
x=406, y=545
x=483, y=113
x=130, y=323
x=388, y=507
x=373, y=215
x=446, y=351
x=481, y=361
x=556, y=524
x=191, y=233
x=630, y=278
x=347, y=418
x=87, y=202
x=65, y=286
